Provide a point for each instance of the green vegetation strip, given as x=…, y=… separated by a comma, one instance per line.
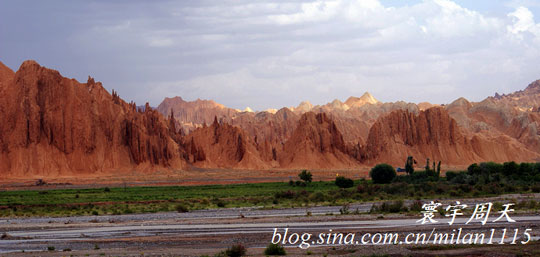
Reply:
x=485, y=179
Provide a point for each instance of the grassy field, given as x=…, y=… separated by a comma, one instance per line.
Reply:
x=149, y=199
x=99, y=201
x=119, y=194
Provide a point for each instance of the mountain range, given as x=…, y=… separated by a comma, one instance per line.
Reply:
x=54, y=126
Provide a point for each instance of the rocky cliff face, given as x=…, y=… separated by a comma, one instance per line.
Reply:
x=276, y=127
x=315, y=143
x=495, y=117
x=52, y=125
x=269, y=131
x=434, y=134
x=466, y=132
x=193, y=114
x=223, y=146
x=524, y=100
x=6, y=74
x=366, y=98
x=402, y=129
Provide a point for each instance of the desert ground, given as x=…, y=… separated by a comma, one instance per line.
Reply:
x=192, y=176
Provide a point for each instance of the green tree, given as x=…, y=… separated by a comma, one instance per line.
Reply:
x=510, y=168
x=344, y=182
x=474, y=169
x=439, y=169
x=409, y=168
x=427, y=164
x=526, y=169
x=382, y=173
x=305, y=176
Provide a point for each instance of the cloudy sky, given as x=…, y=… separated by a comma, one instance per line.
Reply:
x=269, y=54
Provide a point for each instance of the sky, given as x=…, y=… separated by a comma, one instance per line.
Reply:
x=270, y=54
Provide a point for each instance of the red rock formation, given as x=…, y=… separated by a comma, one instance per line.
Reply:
x=223, y=146
x=53, y=126
x=434, y=134
x=6, y=74
x=269, y=131
x=495, y=117
x=315, y=143
x=523, y=99
x=366, y=98
x=193, y=114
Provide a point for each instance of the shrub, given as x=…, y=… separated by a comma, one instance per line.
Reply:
x=450, y=175
x=535, y=188
x=455, y=193
x=510, y=188
x=492, y=188
x=473, y=169
x=382, y=173
x=218, y=202
x=344, y=209
x=398, y=188
x=394, y=206
x=409, y=169
x=510, y=168
x=526, y=168
x=236, y=250
x=274, y=249
x=491, y=167
x=285, y=194
x=107, y=189
x=344, y=182
x=458, y=177
x=51, y=248
x=181, y=208
x=305, y=176
x=317, y=196
x=466, y=188
x=390, y=206
x=416, y=206
x=300, y=183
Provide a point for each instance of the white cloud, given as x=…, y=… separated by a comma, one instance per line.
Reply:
x=160, y=42
x=272, y=54
x=523, y=20
x=309, y=12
